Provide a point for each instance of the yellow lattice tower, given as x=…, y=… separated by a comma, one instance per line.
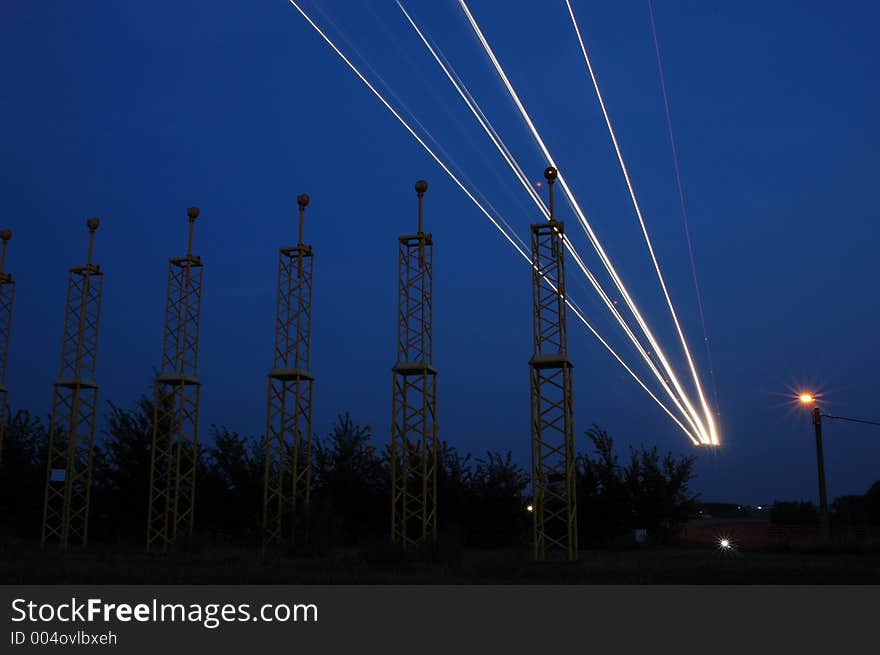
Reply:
x=74, y=405
x=174, y=452
x=7, y=295
x=288, y=445
x=414, y=395
x=553, y=458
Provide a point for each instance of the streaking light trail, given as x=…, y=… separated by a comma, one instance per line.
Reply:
x=682, y=204
x=632, y=195
x=706, y=436
x=524, y=182
x=483, y=210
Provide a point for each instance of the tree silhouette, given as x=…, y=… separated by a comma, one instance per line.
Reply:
x=605, y=512
x=230, y=487
x=497, y=502
x=649, y=492
x=454, y=478
x=22, y=475
x=350, y=486
x=481, y=502
x=659, y=492
x=122, y=474
x=872, y=504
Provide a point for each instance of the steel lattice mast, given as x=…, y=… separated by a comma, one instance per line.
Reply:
x=7, y=295
x=414, y=396
x=288, y=473
x=553, y=457
x=74, y=405
x=174, y=452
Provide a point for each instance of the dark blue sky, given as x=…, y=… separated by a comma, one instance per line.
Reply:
x=134, y=112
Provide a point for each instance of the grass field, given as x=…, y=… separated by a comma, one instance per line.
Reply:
x=28, y=564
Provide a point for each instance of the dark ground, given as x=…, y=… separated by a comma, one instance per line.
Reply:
x=28, y=564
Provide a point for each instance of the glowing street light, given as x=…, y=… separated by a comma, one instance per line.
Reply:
x=807, y=398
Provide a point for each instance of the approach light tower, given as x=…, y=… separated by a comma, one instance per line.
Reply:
x=553, y=459
x=74, y=405
x=174, y=451
x=414, y=397
x=7, y=295
x=288, y=474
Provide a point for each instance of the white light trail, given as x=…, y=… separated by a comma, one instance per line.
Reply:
x=404, y=109
x=706, y=437
x=502, y=148
x=683, y=205
x=632, y=194
x=482, y=209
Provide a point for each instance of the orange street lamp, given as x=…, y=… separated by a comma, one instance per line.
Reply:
x=809, y=399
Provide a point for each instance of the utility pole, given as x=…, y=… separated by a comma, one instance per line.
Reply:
x=820, y=462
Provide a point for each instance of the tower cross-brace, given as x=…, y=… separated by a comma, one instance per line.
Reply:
x=7, y=295
x=414, y=394
x=554, y=508
x=74, y=405
x=288, y=472
x=174, y=452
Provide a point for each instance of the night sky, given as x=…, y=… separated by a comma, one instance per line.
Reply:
x=133, y=112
